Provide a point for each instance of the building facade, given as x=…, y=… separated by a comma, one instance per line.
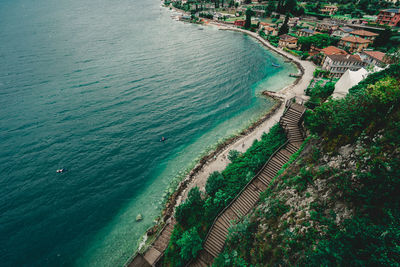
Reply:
x=354, y=44
x=364, y=34
x=339, y=64
x=389, y=17
x=306, y=32
x=287, y=41
x=342, y=32
x=375, y=58
x=329, y=10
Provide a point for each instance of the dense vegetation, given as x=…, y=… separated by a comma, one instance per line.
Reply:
x=318, y=94
x=318, y=41
x=338, y=203
x=195, y=215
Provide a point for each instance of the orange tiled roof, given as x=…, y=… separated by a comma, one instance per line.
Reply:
x=375, y=54
x=354, y=39
x=333, y=50
x=364, y=33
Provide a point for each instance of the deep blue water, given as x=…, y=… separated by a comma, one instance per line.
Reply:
x=91, y=86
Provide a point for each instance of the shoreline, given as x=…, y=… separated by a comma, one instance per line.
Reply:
x=217, y=159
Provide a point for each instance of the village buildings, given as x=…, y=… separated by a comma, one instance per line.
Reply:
x=364, y=34
x=326, y=27
x=339, y=64
x=306, y=32
x=329, y=10
x=342, y=32
x=354, y=44
x=389, y=17
x=288, y=41
x=375, y=58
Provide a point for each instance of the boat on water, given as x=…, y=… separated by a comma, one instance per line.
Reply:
x=61, y=170
x=275, y=65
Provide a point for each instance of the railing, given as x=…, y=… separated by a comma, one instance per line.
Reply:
x=240, y=192
x=287, y=106
x=138, y=253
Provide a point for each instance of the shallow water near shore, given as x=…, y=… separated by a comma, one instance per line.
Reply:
x=91, y=86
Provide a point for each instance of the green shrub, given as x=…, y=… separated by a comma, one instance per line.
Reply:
x=190, y=244
x=189, y=212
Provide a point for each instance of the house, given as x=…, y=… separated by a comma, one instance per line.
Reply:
x=329, y=10
x=329, y=51
x=293, y=22
x=268, y=30
x=389, y=17
x=364, y=34
x=288, y=41
x=342, y=32
x=326, y=27
x=239, y=23
x=339, y=64
x=259, y=13
x=306, y=32
x=354, y=44
x=375, y=58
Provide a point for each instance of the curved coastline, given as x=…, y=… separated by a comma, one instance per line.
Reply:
x=217, y=159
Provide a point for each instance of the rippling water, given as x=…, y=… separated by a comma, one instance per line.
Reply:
x=91, y=86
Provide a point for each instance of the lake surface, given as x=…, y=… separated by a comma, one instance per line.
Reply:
x=91, y=86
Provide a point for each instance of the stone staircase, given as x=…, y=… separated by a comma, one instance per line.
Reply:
x=249, y=196
x=156, y=251
x=240, y=205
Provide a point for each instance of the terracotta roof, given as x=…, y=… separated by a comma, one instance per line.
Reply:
x=354, y=39
x=364, y=33
x=375, y=54
x=345, y=58
x=268, y=28
x=333, y=50
x=286, y=37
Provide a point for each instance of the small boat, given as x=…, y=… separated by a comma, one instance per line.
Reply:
x=275, y=65
x=61, y=170
x=163, y=139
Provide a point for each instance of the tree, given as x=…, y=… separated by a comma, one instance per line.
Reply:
x=318, y=40
x=383, y=38
x=249, y=13
x=284, y=28
x=214, y=182
x=290, y=5
x=269, y=8
x=189, y=212
x=190, y=244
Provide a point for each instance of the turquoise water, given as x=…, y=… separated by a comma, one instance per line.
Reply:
x=91, y=86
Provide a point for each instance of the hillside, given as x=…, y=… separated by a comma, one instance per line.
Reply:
x=338, y=202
